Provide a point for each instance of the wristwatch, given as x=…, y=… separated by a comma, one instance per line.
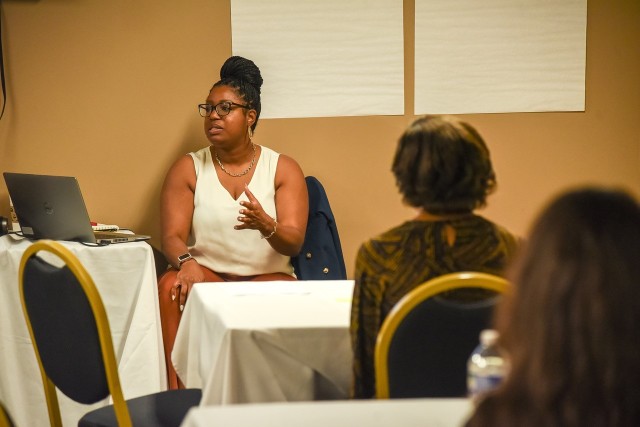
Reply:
x=184, y=258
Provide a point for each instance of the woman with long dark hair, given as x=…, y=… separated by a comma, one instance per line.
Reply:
x=572, y=324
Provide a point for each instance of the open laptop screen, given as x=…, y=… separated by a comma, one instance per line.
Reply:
x=51, y=207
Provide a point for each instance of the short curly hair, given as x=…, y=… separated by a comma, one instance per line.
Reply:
x=442, y=165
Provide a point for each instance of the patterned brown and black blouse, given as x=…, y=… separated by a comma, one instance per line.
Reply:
x=392, y=264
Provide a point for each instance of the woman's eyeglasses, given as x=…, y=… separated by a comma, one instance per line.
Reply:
x=222, y=108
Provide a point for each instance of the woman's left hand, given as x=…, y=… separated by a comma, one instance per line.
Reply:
x=285, y=233
x=253, y=217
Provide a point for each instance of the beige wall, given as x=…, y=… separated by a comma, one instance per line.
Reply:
x=106, y=91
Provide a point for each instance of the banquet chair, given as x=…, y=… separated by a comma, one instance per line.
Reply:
x=72, y=340
x=424, y=343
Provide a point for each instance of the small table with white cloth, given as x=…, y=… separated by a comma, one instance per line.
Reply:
x=248, y=342
x=371, y=413
x=126, y=279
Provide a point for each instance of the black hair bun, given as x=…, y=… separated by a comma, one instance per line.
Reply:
x=242, y=70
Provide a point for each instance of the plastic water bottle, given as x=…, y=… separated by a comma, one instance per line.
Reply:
x=487, y=365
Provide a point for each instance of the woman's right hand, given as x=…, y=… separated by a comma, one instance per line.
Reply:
x=190, y=272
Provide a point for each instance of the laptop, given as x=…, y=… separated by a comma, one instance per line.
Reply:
x=52, y=207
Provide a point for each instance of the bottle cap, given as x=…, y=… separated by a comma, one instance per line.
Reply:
x=488, y=337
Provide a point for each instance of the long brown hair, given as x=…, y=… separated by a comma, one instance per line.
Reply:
x=572, y=324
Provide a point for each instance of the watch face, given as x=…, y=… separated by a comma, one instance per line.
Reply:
x=184, y=257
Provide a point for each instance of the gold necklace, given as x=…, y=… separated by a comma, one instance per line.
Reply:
x=244, y=172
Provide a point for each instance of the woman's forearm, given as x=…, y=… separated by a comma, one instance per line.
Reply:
x=172, y=248
x=286, y=240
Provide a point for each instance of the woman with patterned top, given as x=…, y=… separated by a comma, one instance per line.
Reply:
x=442, y=167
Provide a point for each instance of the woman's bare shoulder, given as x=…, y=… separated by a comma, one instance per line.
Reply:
x=288, y=165
x=182, y=170
x=183, y=163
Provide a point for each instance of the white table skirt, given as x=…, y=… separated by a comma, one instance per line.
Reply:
x=249, y=342
x=125, y=277
x=369, y=413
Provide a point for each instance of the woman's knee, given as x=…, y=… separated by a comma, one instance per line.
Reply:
x=166, y=281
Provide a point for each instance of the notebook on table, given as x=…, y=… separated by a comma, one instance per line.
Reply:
x=52, y=207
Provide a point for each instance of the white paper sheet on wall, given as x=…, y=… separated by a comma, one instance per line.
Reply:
x=323, y=58
x=495, y=56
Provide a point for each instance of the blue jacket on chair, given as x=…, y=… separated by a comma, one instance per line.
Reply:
x=321, y=255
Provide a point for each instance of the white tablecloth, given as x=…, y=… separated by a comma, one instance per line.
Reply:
x=125, y=277
x=248, y=342
x=369, y=413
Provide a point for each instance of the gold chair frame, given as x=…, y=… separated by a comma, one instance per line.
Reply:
x=5, y=419
x=428, y=289
x=102, y=324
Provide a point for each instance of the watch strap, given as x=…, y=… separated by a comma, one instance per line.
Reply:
x=184, y=258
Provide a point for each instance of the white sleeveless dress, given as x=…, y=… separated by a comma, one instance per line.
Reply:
x=213, y=241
